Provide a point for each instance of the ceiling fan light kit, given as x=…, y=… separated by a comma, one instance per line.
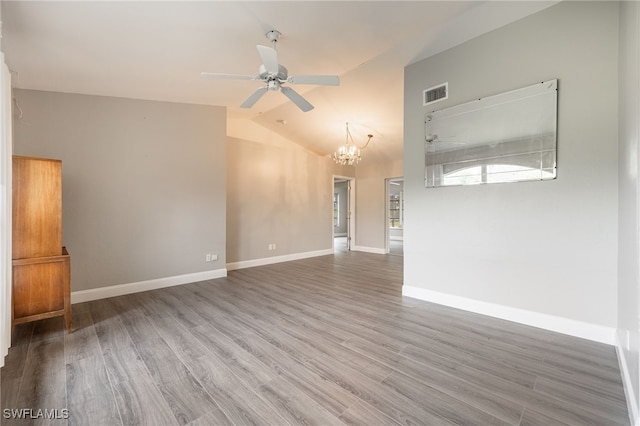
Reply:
x=275, y=76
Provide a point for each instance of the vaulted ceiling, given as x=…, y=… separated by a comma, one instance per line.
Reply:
x=156, y=51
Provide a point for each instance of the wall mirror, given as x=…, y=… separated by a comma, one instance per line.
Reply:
x=509, y=137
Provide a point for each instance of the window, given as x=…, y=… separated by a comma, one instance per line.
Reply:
x=514, y=173
x=494, y=173
x=467, y=176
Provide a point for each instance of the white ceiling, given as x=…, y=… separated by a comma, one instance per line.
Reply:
x=156, y=50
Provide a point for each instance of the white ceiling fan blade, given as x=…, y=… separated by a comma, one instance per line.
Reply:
x=323, y=80
x=297, y=99
x=253, y=98
x=221, y=75
x=269, y=58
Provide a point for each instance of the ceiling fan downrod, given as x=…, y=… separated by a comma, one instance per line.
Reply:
x=273, y=37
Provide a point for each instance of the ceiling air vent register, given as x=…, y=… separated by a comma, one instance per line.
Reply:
x=435, y=94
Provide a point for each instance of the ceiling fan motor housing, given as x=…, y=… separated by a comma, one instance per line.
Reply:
x=267, y=76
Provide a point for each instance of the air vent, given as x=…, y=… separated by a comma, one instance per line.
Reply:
x=435, y=94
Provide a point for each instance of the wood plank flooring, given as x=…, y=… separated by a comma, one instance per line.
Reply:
x=322, y=341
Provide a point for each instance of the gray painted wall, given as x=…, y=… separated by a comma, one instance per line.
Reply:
x=629, y=222
x=548, y=247
x=277, y=195
x=371, y=202
x=143, y=182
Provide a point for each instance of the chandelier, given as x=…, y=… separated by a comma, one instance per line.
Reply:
x=349, y=154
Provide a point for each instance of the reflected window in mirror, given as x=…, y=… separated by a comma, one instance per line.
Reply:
x=494, y=173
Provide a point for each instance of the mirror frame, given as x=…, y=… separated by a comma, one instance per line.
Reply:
x=509, y=137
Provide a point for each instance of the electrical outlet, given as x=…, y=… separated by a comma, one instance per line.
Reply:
x=209, y=257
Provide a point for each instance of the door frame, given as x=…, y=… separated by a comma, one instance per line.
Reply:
x=387, y=207
x=351, y=209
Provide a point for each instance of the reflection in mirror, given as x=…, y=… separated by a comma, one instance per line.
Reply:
x=509, y=137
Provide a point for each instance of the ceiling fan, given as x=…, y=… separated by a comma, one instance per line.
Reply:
x=275, y=76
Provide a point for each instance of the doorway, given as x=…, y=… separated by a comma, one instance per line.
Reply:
x=395, y=216
x=343, y=215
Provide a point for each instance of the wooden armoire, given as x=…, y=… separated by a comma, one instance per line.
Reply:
x=41, y=265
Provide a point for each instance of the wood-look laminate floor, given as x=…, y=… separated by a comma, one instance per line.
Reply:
x=326, y=341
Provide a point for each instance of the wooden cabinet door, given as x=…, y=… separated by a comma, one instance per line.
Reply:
x=37, y=207
x=38, y=288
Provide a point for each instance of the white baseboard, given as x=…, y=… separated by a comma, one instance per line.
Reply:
x=277, y=259
x=374, y=250
x=136, y=287
x=632, y=402
x=597, y=333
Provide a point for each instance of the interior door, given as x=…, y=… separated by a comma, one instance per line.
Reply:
x=348, y=215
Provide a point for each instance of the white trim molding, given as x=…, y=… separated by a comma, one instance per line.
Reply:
x=632, y=402
x=597, y=333
x=374, y=250
x=6, y=152
x=137, y=287
x=277, y=259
